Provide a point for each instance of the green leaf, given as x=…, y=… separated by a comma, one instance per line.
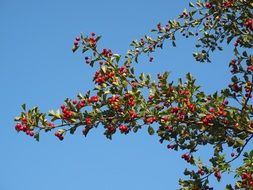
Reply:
x=98, y=38
x=73, y=129
x=191, y=4
x=17, y=118
x=135, y=129
x=103, y=69
x=85, y=49
x=174, y=44
x=229, y=39
x=189, y=76
x=142, y=76
x=24, y=107
x=74, y=48
x=245, y=54
x=37, y=137
x=117, y=57
x=150, y=130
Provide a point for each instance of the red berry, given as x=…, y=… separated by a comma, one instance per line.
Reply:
x=88, y=121
x=31, y=133
x=124, y=129
x=209, y=5
x=24, y=120
x=76, y=43
x=217, y=174
x=18, y=127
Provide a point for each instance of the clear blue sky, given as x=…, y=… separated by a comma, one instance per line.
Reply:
x=38, y=67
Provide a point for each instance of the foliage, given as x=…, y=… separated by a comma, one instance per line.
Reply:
x=181, y=114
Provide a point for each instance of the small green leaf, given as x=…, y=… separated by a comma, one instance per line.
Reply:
x=117, y=57
x=72, y=130
x=150, y=130
x=74, y=48
x=189, y=76
x=245, y=54
x=37, y=137
x=103, y=69
x=191, y=4
x=24, y=106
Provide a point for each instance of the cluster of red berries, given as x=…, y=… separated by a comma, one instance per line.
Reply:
x=190, y=105
x=247, y=180
x=234, y=66
x=88, y=121
x=150, y=98
x=249, y=23
x=77, y=40
x=174, y=110
x=21, y=127
x=50, y=125
x=110, y=129
x=133, y=114
x=250, y=68
x=67, y=114
x=228, y=4
x=124, y=129
x=123, y=70
x=209, y=5
x=92, y=40
x=169, y=128
x=201, y=172
x=130, y=99
x=248, y=89
x=186, y=157
x=81, y=104
x=150, y=120
x=217, y=174
x=213, y=113
x=59, y=134
x=235, y=87
x=114, y=101
x=101, y=78
x=134, y=84
x=93, y=99
x=106, y=53
x=184, y=92
x=207, y=119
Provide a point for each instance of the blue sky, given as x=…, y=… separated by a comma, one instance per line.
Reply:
x=38, y=67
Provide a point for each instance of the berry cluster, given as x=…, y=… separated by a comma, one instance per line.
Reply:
x=106, y=53
x=247, y=180
x=67, y=114
x=21, y=127
x=249, y=23
x=124, y=129
x=59, y=134
x=101, y=77
x=93, y=99
x=217, y=174
x=186, y=157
